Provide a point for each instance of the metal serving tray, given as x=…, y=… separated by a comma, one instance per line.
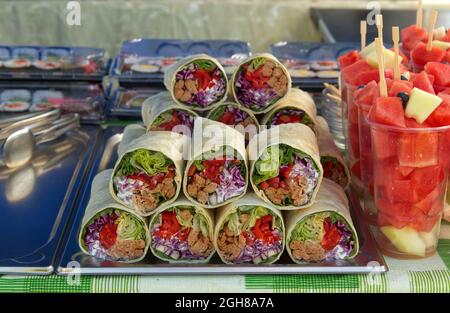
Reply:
x=74, y=261
x=37, y=199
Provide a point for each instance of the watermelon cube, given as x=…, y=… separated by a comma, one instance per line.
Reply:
x=418, y=149
x=424, y=223
x=422, y=81
x=411, y=36
x=400, y=86
x=421, y=56
x=388, y=111
x=431, y=204
x=441, y=73
x=351, y=72
x=426, y=179
x=384, y=144
x=349, y=58
x=441, y=116
x=367, y=95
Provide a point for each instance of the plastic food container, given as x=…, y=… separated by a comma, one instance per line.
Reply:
x=365, y=147
x=410, y=172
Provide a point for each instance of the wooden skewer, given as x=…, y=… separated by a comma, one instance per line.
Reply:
x=431, y=26
x=395, y=38
x=334, y=97
x=383, y=86
x=363, y=31
x=331, y=88
x=379, y=21
x=419, y=14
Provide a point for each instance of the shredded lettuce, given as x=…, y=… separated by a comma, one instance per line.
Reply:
x=268, y=165
x=311, y=227
x=256, y=63
x=163, y=117
x=233, y=223
x=217, y=113
x=129, y=228
x=255, y=214
x=200, y=223
x=183, y=222
x=206, y=65
x=143, y=160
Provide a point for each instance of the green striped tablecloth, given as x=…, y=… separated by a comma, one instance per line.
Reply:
x=429, y=275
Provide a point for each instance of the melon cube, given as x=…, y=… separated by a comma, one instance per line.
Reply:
x=421, y=104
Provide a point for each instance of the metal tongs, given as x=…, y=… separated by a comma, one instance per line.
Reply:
x=19, y=146
x=10, y=125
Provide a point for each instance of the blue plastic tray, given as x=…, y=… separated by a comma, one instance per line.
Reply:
x=311, y=60
x=37, y=201
x=159, y=51
x=86, y=99
x=81, y=63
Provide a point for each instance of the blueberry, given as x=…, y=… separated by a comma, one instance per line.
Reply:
x=361, y=86
x=403, y=78
x=405, y=98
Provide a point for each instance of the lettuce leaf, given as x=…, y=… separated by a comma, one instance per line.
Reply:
x=151, y=162
x=217, y=113
x=201, y=223
x=206, y=65
x=163, y=117
x=268, y=165
x=310, y=228
x=256, y=63
x=130, y=228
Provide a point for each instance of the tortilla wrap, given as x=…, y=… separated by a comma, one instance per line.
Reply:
x=250, y=199
x=208, y=136
x=157, y=104
x=269, y=57
x=170, y=80
x=182, y=201
x=297, y=100
x=170, y=144
x=101, y=200
x=297, y=136
x=330, y=198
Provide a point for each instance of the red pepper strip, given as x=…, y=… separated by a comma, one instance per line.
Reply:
x=108, y=235
x=331, y=237
x=192, y=170
x=227, y=118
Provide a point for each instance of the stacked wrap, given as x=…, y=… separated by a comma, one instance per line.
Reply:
x=170, y=144
x=256, y=99
x=101, y=201
x=170, y=79
x=214, y=137
x=330, y=198
x=296, y=100
x=162, y=102
x=297, y=136
x=248, y=200
x=328, y=149
x=160, y=250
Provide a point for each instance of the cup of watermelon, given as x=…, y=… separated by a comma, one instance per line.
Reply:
x=364, y=98
x=411, y=164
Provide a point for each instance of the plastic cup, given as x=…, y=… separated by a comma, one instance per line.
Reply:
x=365, y=144
x=410, y=167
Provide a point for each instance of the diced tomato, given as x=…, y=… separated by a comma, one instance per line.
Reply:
x=349, y=58
x=286, y=171
x=264, y=185
x=192, y=170
x=274, y=182
x=108, y=235
x=426, y=179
